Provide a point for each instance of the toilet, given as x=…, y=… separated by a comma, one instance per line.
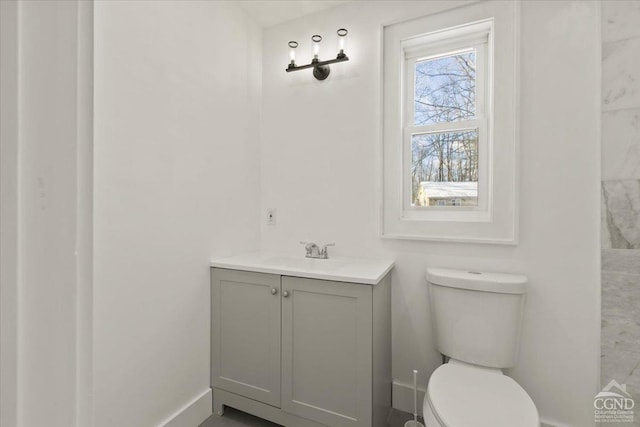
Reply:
x=476, y=321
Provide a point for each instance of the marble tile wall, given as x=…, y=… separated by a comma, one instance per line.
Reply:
x=621, y=194
x=621, y=319
x=621, y=219
x=621, y=124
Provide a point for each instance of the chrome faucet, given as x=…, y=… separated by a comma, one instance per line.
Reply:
x=315, y=251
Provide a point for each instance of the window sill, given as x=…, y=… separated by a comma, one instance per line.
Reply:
x=451, y=239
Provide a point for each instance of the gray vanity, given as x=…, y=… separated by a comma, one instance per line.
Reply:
x=302, y=342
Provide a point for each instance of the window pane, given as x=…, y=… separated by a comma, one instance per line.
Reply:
x=444, y=169
x=445, y=89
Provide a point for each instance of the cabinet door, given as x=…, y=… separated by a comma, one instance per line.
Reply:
x=326, y=351
x=245, y=334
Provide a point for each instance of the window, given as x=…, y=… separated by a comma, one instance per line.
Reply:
x=448, y=164
x=445, y=120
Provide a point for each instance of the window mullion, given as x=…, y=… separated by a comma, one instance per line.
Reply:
x=461, y=125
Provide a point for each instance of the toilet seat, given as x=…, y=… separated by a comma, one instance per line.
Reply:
x=463, y=395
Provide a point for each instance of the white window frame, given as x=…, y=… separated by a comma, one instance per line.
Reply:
x=475, y=36
x=492, y=28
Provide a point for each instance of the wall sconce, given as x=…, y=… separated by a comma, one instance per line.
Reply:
x=320, y=68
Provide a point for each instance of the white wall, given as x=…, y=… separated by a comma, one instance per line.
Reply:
x=84, y=217
x=176, y=182
x=320, y=167
x=46, y=83
x=9, y=213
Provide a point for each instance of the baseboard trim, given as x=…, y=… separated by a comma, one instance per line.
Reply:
x=402, y=397
x=193, y=413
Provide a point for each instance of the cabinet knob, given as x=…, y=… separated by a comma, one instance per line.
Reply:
x=285, y=294
x=274, y=291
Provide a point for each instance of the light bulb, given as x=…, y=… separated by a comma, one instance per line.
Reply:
x=342, y=42
x=292, y=52
x=316, y=39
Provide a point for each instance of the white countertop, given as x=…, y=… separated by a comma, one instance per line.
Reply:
x=355, y=270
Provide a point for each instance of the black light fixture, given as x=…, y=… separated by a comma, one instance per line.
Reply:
x=320, y=68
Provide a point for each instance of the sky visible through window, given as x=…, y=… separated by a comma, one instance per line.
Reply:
x=445, y=89
x=445, y=92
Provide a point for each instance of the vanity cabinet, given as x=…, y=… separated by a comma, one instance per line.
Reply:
x=246, y=334
x=301, y=351
x=326, y=351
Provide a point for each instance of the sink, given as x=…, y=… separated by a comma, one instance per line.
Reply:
x=342, y=269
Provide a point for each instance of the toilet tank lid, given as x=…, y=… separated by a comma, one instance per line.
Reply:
x=478, y=281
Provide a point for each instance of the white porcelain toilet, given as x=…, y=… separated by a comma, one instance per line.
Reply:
x=476, y=321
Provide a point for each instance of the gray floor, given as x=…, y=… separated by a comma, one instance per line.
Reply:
x=235, y=418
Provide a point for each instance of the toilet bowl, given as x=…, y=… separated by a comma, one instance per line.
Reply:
x=476, y=319
x=465, y=395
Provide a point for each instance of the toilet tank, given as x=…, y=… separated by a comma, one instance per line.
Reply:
x=477, y=316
